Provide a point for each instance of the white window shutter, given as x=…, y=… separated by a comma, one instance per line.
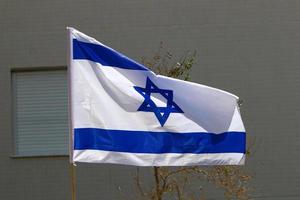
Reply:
x=40, y=112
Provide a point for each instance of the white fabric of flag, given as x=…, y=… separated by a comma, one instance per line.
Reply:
x=121, y=112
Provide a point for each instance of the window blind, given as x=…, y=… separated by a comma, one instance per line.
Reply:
x=40, y=112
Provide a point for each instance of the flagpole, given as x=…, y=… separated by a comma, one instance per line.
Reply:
x=71, y=139
x=69, y=60
x=73, y=181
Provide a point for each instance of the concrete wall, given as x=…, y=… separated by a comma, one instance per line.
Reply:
x=248, y=47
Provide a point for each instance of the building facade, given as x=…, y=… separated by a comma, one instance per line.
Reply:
x=249, y=48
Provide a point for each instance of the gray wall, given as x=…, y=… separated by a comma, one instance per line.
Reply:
x=248, y=47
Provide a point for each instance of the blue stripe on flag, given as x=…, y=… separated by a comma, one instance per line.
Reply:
x=158, y=142
x=103, y=55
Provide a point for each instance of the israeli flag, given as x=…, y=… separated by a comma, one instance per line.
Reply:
x=121, y=112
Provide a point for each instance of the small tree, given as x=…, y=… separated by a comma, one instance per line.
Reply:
x=176, y=182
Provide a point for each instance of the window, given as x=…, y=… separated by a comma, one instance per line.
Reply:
x=40, y=112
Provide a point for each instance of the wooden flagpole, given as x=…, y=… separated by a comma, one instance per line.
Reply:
x=71, y=162
x=73, y=181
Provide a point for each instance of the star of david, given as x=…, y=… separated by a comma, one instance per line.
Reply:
x=161, y=113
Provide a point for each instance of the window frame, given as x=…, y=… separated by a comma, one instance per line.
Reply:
x=13, y=93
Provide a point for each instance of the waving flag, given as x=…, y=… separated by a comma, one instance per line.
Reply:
x=121, y=112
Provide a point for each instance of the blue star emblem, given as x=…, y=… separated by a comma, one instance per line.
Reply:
x=161, y=113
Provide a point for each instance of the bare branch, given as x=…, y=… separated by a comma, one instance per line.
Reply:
x=138, y=182
x=232, y=179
